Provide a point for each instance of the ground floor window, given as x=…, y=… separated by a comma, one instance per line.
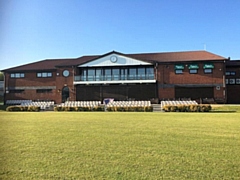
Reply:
x=44, y=90
x=16, y=91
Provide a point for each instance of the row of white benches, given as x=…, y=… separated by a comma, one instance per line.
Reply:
x=42, y=104
x=129, y=104
x=80, y=104
x=17, y=102
x=175, y=103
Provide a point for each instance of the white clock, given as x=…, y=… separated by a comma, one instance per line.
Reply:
x=113, y=59
x=65, y=73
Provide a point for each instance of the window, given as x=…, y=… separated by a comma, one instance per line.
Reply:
x=132, y=73
x=44, y=74
x=141, y=73
x=149, y=73
x=108, y=74
x=208, y=71
x=17, y=75
x=98, y=74
x=44, y=90
x=193, y=68
x=115, y=73
x=193, y=71
x=178, y=71
x=83, y=75
x=91, y=74
x=231, y=81
x=230, y=73
x=179, y=68
x=237, y=81
x=227, y=81
x=124, y=73
x=16, y=91
x=227, y=73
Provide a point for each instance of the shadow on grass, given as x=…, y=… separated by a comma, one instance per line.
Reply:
x=222, y=111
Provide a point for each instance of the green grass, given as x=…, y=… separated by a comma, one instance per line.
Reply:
x=73, y=145
x=226, y=108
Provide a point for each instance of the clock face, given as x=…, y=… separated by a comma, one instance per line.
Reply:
x=113, y=59
x=65, y=73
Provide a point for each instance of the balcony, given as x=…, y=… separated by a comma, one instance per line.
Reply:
x=113, y=79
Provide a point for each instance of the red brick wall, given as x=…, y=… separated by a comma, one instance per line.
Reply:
x=167, y=79
x=31, y=82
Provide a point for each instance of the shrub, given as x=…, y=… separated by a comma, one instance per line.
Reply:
x=58, y=108
x=98, y=108
x=130, y=109
x=193, y=108
x=140, y=109
x=32, y=108
x=182, y=108
x=111, y=109
x=167, y=108
x=188, y=108
x=148, y=109
x=173, y=108
x=23, y=108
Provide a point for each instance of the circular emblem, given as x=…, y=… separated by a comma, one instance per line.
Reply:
x=113, y=59
x=65, y=73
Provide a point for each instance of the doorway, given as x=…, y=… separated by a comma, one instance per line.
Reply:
x=65, y=94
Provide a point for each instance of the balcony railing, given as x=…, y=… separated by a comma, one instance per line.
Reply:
x=114, y=77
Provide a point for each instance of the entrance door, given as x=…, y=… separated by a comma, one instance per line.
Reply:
x=65, y=94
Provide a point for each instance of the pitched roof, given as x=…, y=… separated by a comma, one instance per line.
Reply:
x=178, y=56
x=51, y=64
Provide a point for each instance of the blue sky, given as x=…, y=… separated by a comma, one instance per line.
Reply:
x=33, y=30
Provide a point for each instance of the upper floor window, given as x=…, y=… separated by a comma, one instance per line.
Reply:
x=193, y=68
x=230, y=73
x=116, y=73
x=208, y=71
x=208, y=68
x=179, y=68
x=193, y=71
x=44, y=74
x=17, y=75
x=178, y=71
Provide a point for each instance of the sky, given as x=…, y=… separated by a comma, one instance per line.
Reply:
x=33, y=30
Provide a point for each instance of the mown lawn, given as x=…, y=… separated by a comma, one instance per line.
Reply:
x=68, y=145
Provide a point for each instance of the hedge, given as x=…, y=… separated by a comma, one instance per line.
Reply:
x=61, y=108
x=188, y=108
x=23, y=108
x=130, y=109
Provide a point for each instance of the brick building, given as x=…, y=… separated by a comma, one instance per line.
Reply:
x=199, y=75
x=233, y=81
